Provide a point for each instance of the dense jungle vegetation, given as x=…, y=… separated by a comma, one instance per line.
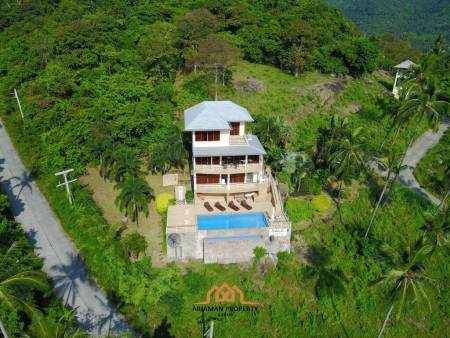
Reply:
x=27, y=303
x=422, y=19
x=106, y=83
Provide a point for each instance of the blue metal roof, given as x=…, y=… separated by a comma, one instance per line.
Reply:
x=214, y=115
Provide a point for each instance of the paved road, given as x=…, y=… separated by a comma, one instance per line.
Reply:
x=413, y=155
x=60, y=257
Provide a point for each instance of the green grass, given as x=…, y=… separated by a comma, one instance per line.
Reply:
x=433, y=170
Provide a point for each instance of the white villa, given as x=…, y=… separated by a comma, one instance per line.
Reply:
x=402, y=68
x=237, y=205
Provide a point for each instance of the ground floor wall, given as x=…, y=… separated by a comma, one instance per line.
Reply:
x=227, y=246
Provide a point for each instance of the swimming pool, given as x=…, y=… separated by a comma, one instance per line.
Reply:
x=231, y=221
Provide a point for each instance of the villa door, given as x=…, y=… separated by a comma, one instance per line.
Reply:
x=237, y=178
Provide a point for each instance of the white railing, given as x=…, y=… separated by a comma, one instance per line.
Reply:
x=241, y=166
x=225, y=187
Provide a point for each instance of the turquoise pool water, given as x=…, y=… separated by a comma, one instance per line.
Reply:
x=231, y=221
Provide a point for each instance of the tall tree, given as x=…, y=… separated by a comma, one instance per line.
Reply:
x=392, y=167
x=134, y=197
x=405, y=281
x=217, y=54
x=125, y=162
x=11, y=286
x=347, y=157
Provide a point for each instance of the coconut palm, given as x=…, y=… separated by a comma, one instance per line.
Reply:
x=134, y=196
x=406, y=280
x=125, y=161
x=422, y=101
x=170, y=153
x=272, y=131
x=49, y=327
x=437, y=228
x=347, y=157
x=11, y=296
x=393, y=168
x=134, y=244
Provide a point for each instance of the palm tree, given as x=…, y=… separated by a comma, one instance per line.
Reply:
x=134, y=244
x=405, y=280
x=392, y=165
x=422, y=102
x=125, y=161
x=10, y=291
x=170, y=153
x=272, y=131
x=303, y=165
x=134, y=196
x=347, y=157
x=437, y=228
x=9, y=286
x=49, y=327
x=107, y=162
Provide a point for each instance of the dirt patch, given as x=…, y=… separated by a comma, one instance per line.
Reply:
x=351, y=109
x=249, y=86
x=328, y=91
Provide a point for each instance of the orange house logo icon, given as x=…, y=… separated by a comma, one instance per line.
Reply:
x=225, y=294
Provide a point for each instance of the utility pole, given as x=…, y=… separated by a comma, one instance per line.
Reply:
x=66, y=183
x=3, y=330
x=18, y=102
x=210, y=332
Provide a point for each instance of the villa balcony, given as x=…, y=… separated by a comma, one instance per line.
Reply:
x=232, y=168
x=231, y=188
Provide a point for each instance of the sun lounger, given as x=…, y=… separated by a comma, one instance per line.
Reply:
x=233, y=206
x=246, y=205
x=219, y=206
x=208, y=206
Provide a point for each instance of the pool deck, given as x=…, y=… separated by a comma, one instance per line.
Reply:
x=230, y=245
x=185, y=216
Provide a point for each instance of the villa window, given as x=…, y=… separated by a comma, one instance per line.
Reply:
x=207, y=179
x=234, y=128
x=216, y=160
x=202, y=136
x=253, y=159
x=237, y=178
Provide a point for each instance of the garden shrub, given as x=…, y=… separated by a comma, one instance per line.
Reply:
x=259, y=252
x=163, y=201
x=311, y=185
x=189, y=196
x=299, y=209
x=321, y=204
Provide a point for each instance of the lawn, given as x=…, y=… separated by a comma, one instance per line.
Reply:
x=150, y=226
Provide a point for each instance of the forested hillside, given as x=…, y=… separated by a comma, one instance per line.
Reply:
x=425, y=18
x=104, y=84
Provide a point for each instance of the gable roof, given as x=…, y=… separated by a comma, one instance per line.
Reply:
x=214, y=115
x=405, y=65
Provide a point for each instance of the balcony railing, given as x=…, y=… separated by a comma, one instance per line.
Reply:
x=232, y=187
x=231, y=166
